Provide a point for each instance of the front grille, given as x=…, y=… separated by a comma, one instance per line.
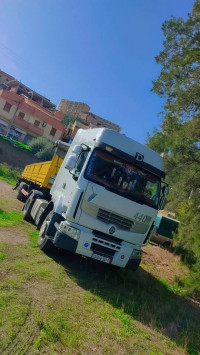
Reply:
x=99, y=249
x=105, y=244
x=107, y=237
x=111, y=218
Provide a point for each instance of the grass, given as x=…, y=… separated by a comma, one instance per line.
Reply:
x=11, y=218
x=174, y=288
x=8, y=174
x=75, y=306
x=33, y=236
x=61, y=303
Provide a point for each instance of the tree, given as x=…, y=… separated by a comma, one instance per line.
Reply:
x=42, y=148
x=179, y=80
x=67, y=119
x=179, y=139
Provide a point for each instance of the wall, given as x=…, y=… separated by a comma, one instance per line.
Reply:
x=14, y=156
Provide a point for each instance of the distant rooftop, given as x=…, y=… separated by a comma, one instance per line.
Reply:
x=8, y=82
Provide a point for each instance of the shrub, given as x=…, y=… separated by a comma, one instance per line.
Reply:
x=9, y=174
x=16, y=143
x=42, y=148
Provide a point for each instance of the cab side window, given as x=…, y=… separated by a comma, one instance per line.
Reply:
x=80, y=161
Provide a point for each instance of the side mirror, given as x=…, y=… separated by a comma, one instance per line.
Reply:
x=165, y=191
x=76, y=149
x=70, y=163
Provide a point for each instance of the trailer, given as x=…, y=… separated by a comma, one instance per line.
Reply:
x=41, y=176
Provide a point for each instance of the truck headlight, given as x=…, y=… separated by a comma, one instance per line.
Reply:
x=70, y=231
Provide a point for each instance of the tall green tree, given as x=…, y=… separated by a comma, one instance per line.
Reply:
x=179, y=79
x=179, y=139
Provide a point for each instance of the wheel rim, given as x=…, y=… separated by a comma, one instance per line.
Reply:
x=42, y=230
x=27, y=204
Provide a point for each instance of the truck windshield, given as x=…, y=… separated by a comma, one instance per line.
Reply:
x=123, y=178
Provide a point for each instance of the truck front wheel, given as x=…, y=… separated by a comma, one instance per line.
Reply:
x=44, y=243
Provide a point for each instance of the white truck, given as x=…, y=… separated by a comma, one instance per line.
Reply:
x=104, y=200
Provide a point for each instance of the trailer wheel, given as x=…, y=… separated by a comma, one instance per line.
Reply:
x=44, y=243
x=27, y=208
x=20, y=195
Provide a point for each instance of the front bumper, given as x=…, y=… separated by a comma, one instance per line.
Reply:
x=63, y=241
x=91, y=243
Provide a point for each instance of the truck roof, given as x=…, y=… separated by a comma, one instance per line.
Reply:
x=122, y=143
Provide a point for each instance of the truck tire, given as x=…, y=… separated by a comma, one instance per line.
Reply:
x=44, y=243
x=27, y=208
x=20, y=195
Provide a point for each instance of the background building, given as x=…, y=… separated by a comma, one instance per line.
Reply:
x=82, y=118
x=72, y=108
x=25, y=114
x=93, y=120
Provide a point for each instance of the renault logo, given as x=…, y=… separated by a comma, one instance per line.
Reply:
x=112, y=230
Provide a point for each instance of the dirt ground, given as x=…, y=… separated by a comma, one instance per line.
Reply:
x=11, y=235
x=159, y=262
x=163, y=263
x=7, y=193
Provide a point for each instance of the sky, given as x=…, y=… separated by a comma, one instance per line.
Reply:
x=101, y=52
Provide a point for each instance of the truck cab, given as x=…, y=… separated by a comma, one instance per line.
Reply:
x=104, y=199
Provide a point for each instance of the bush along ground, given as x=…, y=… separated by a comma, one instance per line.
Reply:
x=42, y=148
x=16, y=143
x=9, y=174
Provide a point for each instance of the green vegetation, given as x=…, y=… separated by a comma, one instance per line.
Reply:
x=67, y=119
x=11, y=218
x=16, y=143
x=63, y=303
x=33, y=236
x=7, y=173
x=42, y=148
x=179, y=137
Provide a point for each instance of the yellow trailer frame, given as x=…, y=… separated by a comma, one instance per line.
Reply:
x=43, y=174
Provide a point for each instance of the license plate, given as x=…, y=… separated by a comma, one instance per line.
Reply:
x=102, y=258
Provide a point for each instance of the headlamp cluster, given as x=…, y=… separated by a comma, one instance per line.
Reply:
x=70, y=231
